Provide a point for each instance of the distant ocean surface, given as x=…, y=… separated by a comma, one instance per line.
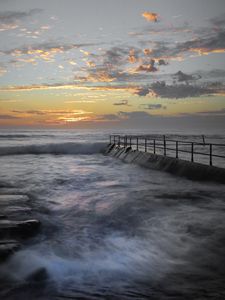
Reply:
x=110, y=230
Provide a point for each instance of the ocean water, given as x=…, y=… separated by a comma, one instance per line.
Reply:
x=109, y=230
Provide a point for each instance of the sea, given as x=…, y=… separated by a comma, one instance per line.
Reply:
x=109, y=230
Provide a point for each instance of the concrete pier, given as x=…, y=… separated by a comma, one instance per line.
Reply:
x=191, y=170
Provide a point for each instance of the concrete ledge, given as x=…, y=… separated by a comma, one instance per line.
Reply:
x=194, y=171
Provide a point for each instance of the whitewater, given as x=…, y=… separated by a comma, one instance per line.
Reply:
x=109, y=230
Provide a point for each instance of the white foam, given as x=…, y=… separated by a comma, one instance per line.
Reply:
x=54, y=148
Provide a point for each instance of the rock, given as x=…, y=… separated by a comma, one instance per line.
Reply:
x=39, y=275
x=13, y=199
x=3, y=217
x=16, y=212
x=8, y=247
x=9, y=228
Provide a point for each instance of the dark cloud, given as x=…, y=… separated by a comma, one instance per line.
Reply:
x=206, y=40
x=134, y=115
x=142, y=91
x=8, y=117
x=180, y=76
x=162, y=62
x=105, y=73
x=107, y=117
x=11, y=16
x=218, y=21
x=147, y=68
x=11, y=19
x=121, y=103
x=116, y=56
x=203, y=45
x=163, y=90
x=213, y=112
x=152, y=106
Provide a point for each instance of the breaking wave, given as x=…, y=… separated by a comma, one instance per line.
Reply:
x=55, y=149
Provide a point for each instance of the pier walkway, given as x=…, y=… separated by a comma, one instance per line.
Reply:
x=194, y=160
x=205, y=153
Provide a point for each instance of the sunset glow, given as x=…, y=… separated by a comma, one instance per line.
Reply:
x=52, y=59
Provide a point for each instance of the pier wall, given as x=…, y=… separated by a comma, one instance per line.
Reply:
x=191, y=170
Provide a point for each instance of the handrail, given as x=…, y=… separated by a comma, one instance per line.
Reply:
x=146, y=142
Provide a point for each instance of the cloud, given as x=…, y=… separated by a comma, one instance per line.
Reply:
x=153, y=106
x=204, y=42
x=213, y=112
x=133, y=56
x=163, y=90
x=54, y=116
x=106, y=118
x=8, y=117
x=45, y=50
x=121, y=103
x=3, y=69
x=11, y=19
x=51, y=112
x=142, y=91
x=214, y=43
x=162, y=62
x=147, y=68
x=150, y=16
x=180, y=76
x=218, y=21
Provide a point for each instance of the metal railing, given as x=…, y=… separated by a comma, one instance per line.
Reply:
x=182, y=149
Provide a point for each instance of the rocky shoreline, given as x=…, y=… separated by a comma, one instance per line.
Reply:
x=17, y=223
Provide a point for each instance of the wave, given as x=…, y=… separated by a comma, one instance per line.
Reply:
x=54, y=148
x=21, y=136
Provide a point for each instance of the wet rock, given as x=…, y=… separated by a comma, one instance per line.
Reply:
x=13, y=199
x=39, y=275
x=8, y=247
x=16, y=212
x=9, y=228
x=3, y=217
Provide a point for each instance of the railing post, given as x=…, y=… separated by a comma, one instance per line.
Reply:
x=145, y=145
x=114, y=138
x=124, y=141
x=154, y=146
x=164, y=144
x=210, y=154
x=137, y=143
x=192, y=152
x=130, y=142
x=110, y=139
x=177, y=149
x=119, y=140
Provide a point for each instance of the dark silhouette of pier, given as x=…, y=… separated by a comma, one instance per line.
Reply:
x=194, y=160
x=202, y=152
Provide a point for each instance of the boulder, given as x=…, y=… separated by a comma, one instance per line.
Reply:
x=8, y=247
x=10, y=228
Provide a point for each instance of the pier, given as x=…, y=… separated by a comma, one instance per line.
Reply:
x=195, y=160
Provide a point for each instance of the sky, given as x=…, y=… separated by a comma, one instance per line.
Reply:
x=112, y=64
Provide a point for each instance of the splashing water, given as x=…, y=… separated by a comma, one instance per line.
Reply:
x=111, y=229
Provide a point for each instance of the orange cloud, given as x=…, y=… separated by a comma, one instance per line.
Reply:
x=206, y=51
x=2, y=70
x=150, y=16
x=147, y=51
x=132, y=58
